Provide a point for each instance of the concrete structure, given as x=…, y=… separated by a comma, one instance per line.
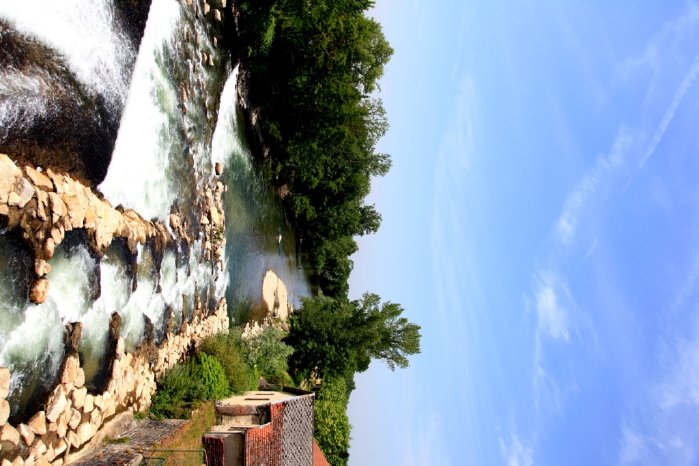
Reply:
x=264, y=427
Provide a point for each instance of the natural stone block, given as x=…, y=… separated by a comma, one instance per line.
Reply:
x=89, y=404
x=4, y=411
x=78, y=396
x=9, y=437
x=80, y=378
x=38, y=423
x=57, y=404
x=70, y=370
x=4, y=382
x=75, y=418
x=26, y=433
x=85, y=432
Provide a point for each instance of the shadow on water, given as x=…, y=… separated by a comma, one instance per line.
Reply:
x=259, y=237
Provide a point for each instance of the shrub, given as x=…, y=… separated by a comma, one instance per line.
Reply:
x=332, y=427
x=185, y=385
x=228, y=349
x=268, y=354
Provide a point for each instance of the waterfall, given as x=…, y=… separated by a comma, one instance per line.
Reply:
x=85, y=34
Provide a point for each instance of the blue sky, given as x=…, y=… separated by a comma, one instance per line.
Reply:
x=540, y=223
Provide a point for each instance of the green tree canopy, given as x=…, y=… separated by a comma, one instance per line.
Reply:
x=341, y=337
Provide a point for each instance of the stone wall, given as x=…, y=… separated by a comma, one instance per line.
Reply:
x=72, y=416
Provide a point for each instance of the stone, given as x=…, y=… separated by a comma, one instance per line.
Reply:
x=39, y=290
x=60, y=447
x=61, y=427
x=58, y=208
x=211, y=60
x=9, y=437
x=73, y=439
x=38, y=423
x=39, y=179
x=89, y=404
x=49, y=248
x=78, y=396
x=13, y=199
x=4, y=382
x=96, y=418
x=70, y=369
x=41, y=267
x=79, y=378
x=57, y=404
x=4, y=411
x=207, y=8
x=85, y=432
x=75, y=418
x=26, y=433
x=98, y=402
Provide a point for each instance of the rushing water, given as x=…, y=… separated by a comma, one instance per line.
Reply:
x=179, y=116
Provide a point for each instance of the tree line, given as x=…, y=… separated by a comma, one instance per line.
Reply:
x=314, y=67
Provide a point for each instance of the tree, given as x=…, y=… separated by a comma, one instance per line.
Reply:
x=341, y=337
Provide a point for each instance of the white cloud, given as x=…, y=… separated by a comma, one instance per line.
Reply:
x=687, y=82
x=516, y=453
x=633, y=446
x=590, y=184
x=552, y=318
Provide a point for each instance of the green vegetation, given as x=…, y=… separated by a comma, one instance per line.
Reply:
x=332, y=427
x=184, y=386
x=188, y=438
x=341, y=337
x=314, y=68
x=268, y=354
x=229, y=349
x=336, y=338
x=225, y=364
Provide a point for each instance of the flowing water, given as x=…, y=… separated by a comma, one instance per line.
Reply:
x=178, y=115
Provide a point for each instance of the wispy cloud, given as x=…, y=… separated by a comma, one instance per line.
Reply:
x=590, y=184
x=552, y=318
x=516, y=453
x=689, y=79
x=428, y=448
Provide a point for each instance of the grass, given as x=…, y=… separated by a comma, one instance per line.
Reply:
x=189, y=438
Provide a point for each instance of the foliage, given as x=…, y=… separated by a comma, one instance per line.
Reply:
x=340, y=337
x=332, y=427
x=229, y=350
x=188, y=439
x=314, y=68
x=267, y=353
x=185, y=385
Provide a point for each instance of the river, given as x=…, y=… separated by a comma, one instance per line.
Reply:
x=175, y=110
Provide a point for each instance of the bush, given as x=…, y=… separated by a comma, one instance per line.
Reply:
x=332, y=427
x=268, y=354
x=228, y=349
x=186, y=385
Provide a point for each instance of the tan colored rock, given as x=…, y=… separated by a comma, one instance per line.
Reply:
x=89, y=404
x=85, y=432
x=58, y=207
x=49, y=248
x=218, y=16
x=56, y=405
x=26, y=433
x=60, y=447
x=211, y=60
x=41, y=267
x=207, y=8
x=4, y=379
x=73, y=439
x=96, y=418
x=79, y=378
x=39, y=290
x=75, y=418
x=70, y=370
x=9, y=437
x=61, y=427
x=4, y=411
x=38, y=179
x=37, y=423
x=78, y=397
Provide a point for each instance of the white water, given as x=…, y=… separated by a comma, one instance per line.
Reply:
x=37, y=342
x=146, y=173
x=84, y=33
x=137, y=176
x=226, y=141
